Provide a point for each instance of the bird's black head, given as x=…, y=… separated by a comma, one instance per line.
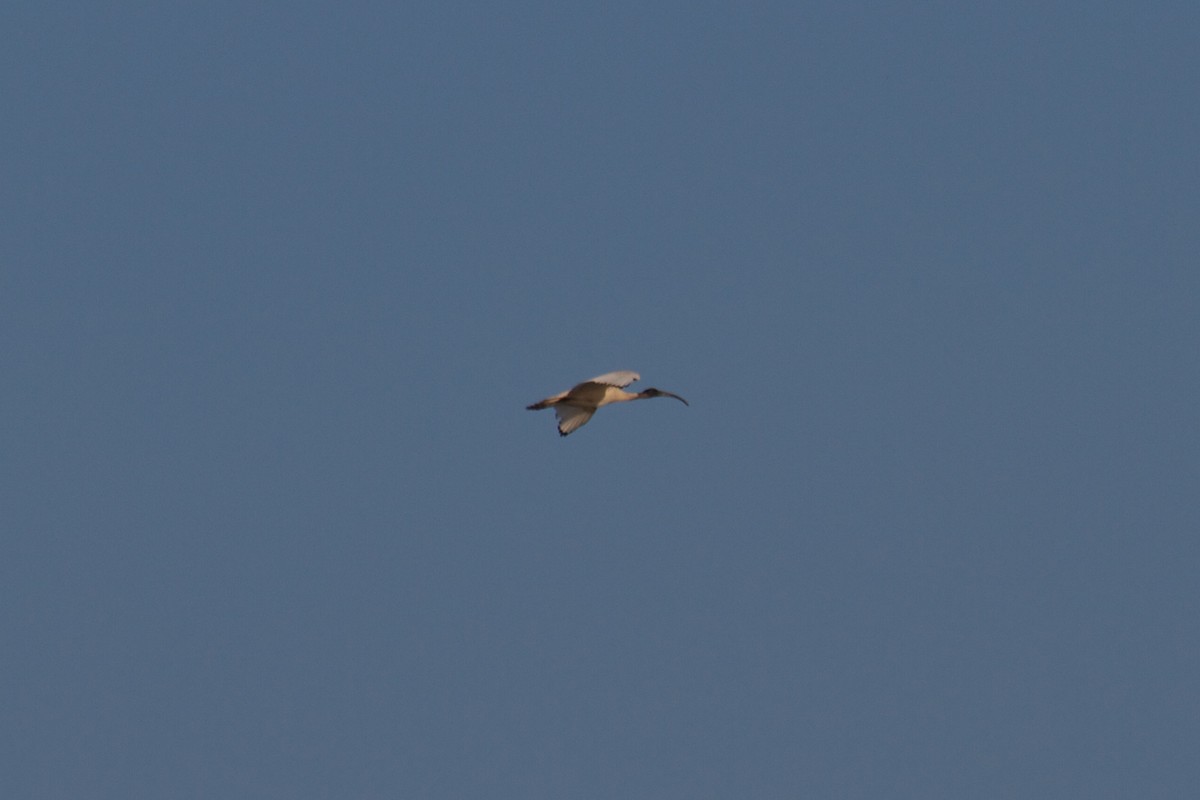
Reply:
x=652, y=392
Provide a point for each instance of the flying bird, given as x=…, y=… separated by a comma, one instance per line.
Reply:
x=575, y=406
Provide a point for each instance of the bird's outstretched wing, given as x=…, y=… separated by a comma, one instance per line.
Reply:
x=620, y=379
x=572, y=417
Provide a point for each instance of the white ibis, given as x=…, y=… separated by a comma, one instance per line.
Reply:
x=575, y=406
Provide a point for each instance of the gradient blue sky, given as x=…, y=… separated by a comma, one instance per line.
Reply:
x=278, y=280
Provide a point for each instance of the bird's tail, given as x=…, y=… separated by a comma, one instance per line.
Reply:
x=538, y=406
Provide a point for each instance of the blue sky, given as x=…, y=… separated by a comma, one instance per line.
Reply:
x=278, y=280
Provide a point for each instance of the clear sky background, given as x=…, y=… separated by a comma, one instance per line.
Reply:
x=278, y=280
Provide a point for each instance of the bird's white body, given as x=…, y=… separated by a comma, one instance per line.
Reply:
x=576, y=406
